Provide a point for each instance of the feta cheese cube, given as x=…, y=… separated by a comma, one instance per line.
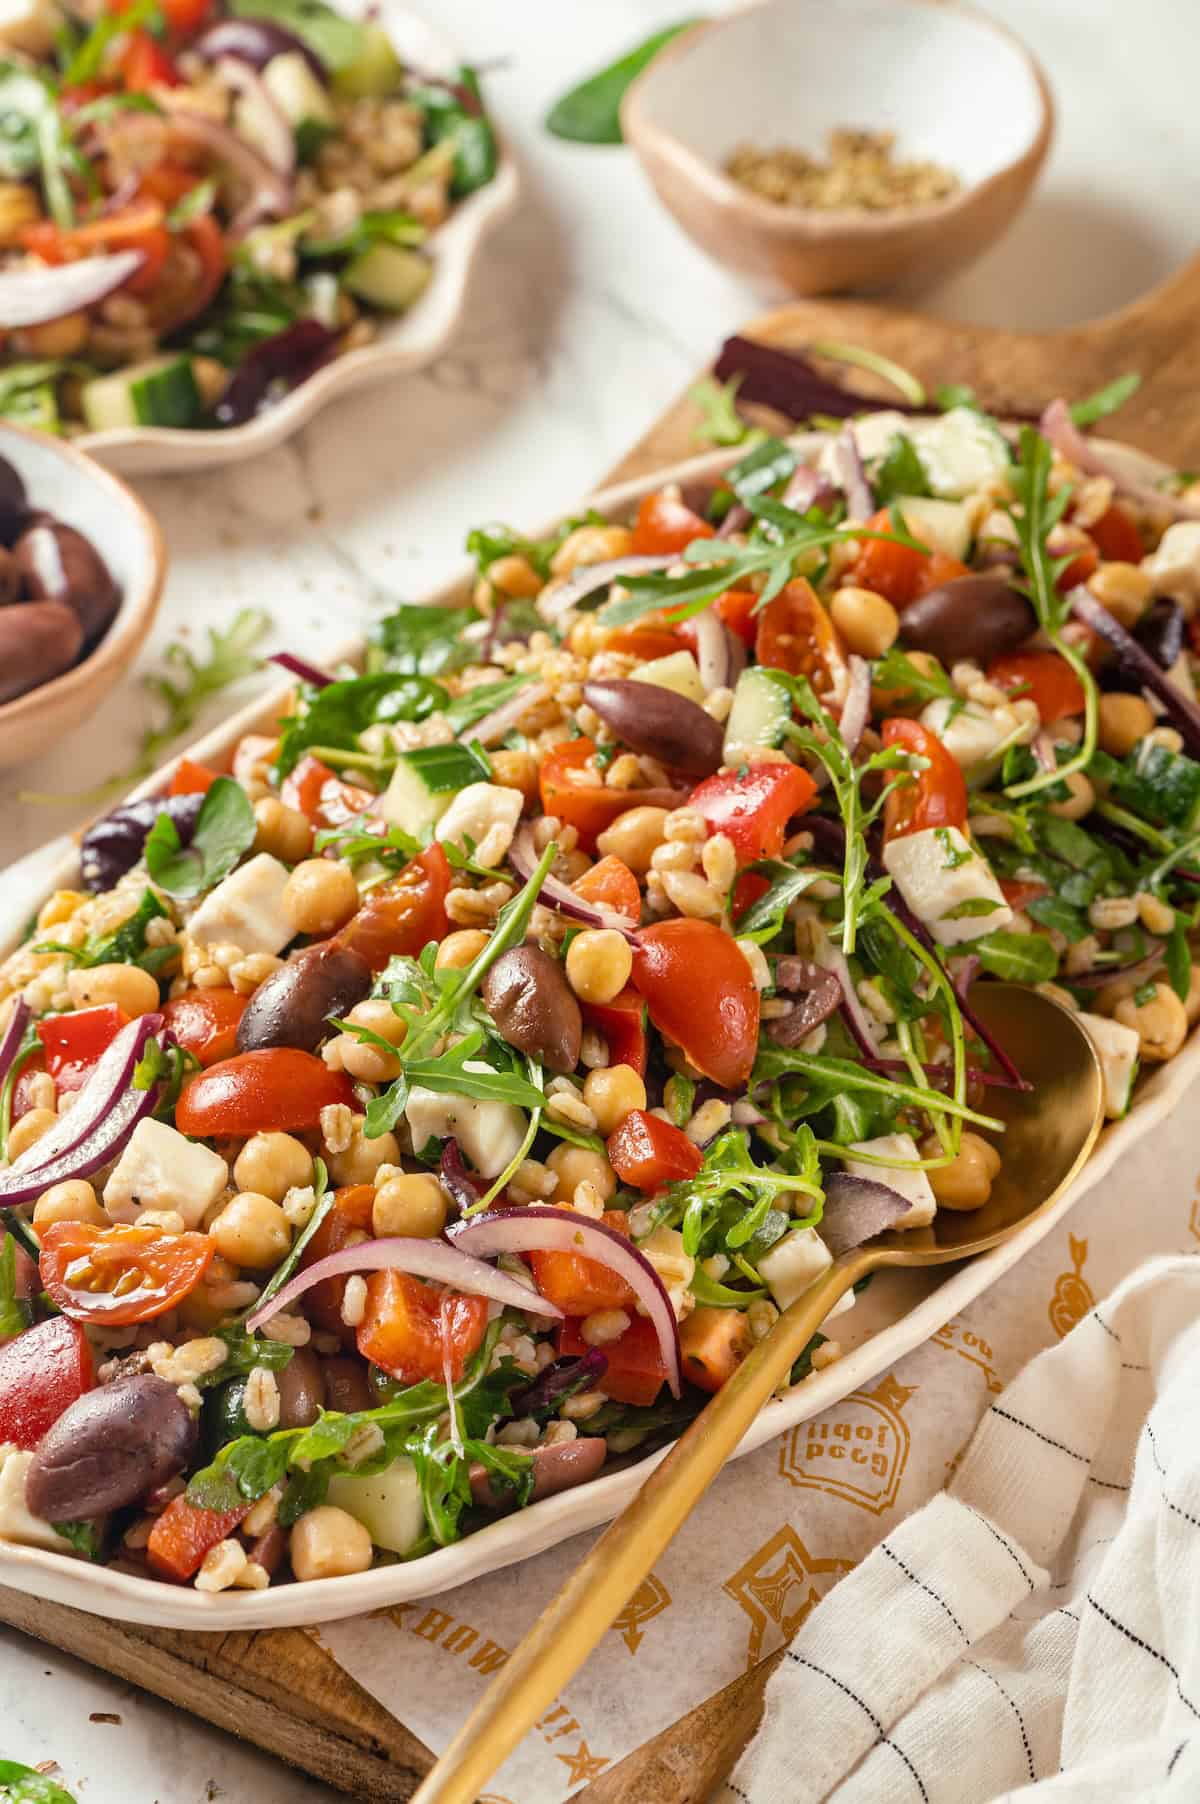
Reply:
x=1174, y=568
x=246, y=909
x=162, y=1169
x=914, y=1185
x=489, y=1133
x=794, y=1264
x=17, y=1521
x=1117, y=1049
x=960, y=451
x=947, y=884
x=487, y=815
x=975, y=737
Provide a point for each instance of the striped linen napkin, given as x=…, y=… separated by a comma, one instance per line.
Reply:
x=1035, y=1628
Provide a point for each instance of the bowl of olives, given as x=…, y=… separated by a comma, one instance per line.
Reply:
x=82, y=566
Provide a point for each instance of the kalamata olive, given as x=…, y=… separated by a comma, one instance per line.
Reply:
x=292, y=1008
x=301, y=1391
x=37, y=642
x=254, y=41
x=817, y=994
x=11, y=580
x=346, y=1386
x=974, y=617
x=14, y=504
x=112, y=845
x=532, y=1004
x=555, y=1468
x=267, y=1549
x=109, y=1448
x=659, y=723
x=59, y=564
x=1160, y=632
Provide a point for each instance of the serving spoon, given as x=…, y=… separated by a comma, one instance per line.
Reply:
x=1049, y=1131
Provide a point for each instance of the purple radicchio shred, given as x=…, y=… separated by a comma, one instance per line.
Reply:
x=299, y=667
x=788, y=382
x=1159, y=632
x=283, y=361
x=500, y=633
x=465, y=1189
x=559, y=1381
x=1138, y=663
x=857, y=1209
x=818, y=994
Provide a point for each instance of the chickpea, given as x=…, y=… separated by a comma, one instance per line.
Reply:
x=599, y=962
x=1082, y=798
x=634, y=836
x=272, y=1164
x=282, y=831
x=1124, y=720
x=515, y=576
x=362, y=1059
x=320, y=896
x=329, y=1543
x=252, y=1231
x=414, y=1203
x=967, y=1182
x=458, y=950
x=73, y=1201
x=64, y=337
x=359, y=1162
x=867, y=622
x=591, y=545
x=610, y=1092
x=1191, y=1005
x=28, y=1131
x=576, y=1165
x=516, y=770
x=573, y=864
x=128, y=986
x=1160, y=1022
x=1124, y=589
x=380, y=1017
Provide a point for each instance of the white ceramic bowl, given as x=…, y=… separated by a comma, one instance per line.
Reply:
x=402, y=345
x=70, y=485
x=955, y=87
x=901, y=1310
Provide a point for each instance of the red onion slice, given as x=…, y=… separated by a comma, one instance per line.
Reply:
x=856, y=709
x=1184, y=714
x=274, y=135
x=14, y=1033
x=720, y=654
x=33, y=294
x=298, y=667
x=500, y=722
x=857, y=1209
x=587, y=578
x=269, y=193
x=524, y=857
x=541, y=1229
x=97, y=1127
x=420, y=1259
x=808, y=488
x=851, y=476
x=455, y=1178
x=1062, y=432
x=254, y=41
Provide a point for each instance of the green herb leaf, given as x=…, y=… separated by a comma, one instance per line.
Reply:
x=762, y=469
x=225, y=829
x=1017, y=957
x=16, y=1313
x=291, y=1260
x=21, y=1784
x=85, y=1537
x=896, y=670
x=899, y=472
x=591, y=112
x=720, y=421
x=336, y=715
x=1106, y=400
x=764, y=918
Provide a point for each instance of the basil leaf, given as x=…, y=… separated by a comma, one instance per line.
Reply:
x=337, y=714
x=225, y=829
x=1019, y=957
x=591, y=112
x=416, y=641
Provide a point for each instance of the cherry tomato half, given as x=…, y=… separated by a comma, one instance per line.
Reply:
x=700, y=993
x=580, y=1286
x=1045, y=677
x=936, y=796
x=647, y=1152
x=623, y=1024
x=414, y=1330
x=279, y=1087
x=883, y=564
x=41, y=1372
x=205, y=1022
x=401, y=916
x=321, y=794
x=753, y=807
x=796, y=634
x=612, y=882
x=119, y=1275
x=665, y=525
x=75, y=1043
x=348, y=1219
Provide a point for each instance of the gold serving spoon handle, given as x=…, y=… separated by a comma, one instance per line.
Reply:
x=1050, y=1130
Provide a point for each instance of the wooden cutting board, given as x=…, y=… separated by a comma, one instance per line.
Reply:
x=278, y=1688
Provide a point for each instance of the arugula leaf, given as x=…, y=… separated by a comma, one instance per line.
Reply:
x=896, y=670
x=900, y=471
x=724, y=1205
x=473, y=704
x=16, y=1313
x=291, y=1259
x=765, y=918
x=245, y=1351
x=21, y=1784
x=720, y=421
x=225, y=829
x=1158, y=784
x=449, y=120
x=1052, y=911
x=954, y=394
x=336, y=715
x=1018, y=957
x=85, y=1537
x=1106, y=400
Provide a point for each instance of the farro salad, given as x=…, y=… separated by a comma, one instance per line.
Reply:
x=200, y=205
x=432, y=1111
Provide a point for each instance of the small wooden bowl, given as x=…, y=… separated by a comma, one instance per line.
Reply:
x=73, y=487
x=955, y=88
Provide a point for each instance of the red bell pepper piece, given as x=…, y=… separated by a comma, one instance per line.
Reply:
x=623, y=1024
x=75, y=1043
x=753, y=807
x=183, y=1534
x=635, y=1372
x=647, y=1152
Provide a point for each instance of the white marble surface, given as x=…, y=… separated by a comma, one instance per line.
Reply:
x=587, y=316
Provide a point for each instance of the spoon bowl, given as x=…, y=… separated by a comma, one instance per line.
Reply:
x=1049, y=1131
